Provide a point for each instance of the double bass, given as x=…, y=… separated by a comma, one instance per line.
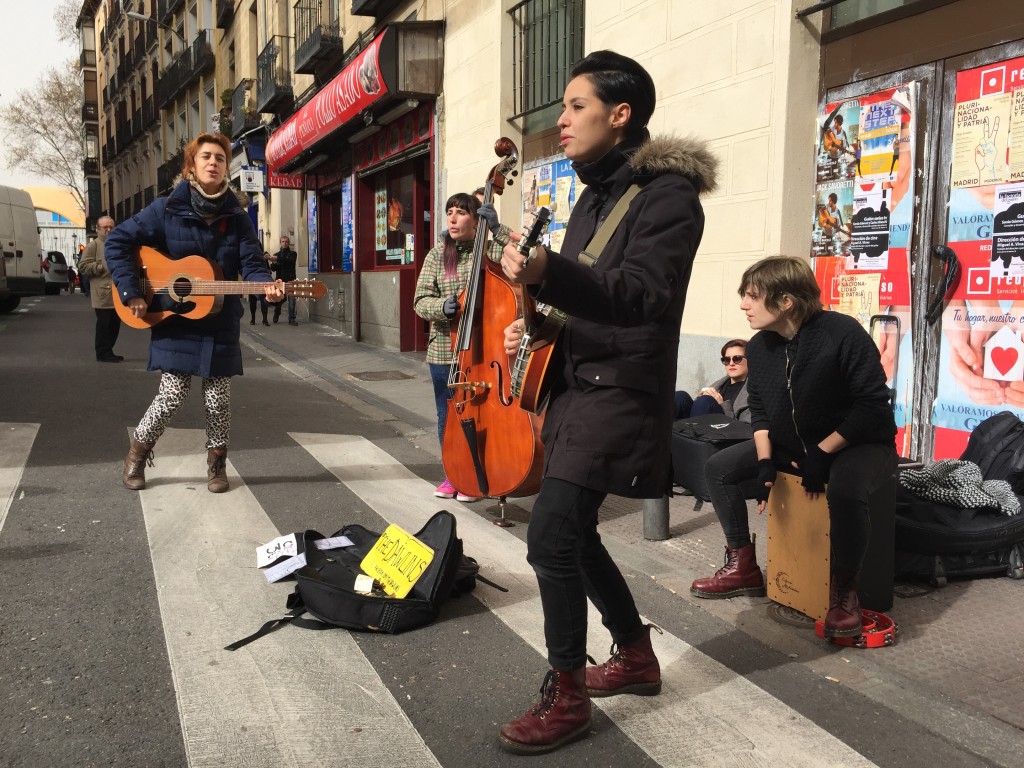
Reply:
x=491, y=446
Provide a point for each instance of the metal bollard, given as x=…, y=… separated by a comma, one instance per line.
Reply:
x=656, y=519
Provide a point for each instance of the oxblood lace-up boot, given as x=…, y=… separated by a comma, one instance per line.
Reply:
x=134, y=474
x=216, y=470
x=843, y=618
x=740, y=575
x=562, y=716
x=633, y=668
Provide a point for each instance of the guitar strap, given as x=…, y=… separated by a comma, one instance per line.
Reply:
x=607, y=229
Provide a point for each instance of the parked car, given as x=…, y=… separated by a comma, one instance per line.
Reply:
x=55, y=270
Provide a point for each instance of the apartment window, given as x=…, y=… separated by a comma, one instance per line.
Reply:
x=547, y=40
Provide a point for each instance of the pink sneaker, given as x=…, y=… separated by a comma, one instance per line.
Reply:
x=445, y=490
x=463, y=497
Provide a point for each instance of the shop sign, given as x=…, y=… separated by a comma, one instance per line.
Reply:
x=251, y=179
x=404, y=133
x=284, y=181
x=358, y=86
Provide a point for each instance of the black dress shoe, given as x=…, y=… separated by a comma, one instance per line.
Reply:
x=118, y=358
x=266, y=323
x=109, y=359
x=253, y=321
x=276, y=318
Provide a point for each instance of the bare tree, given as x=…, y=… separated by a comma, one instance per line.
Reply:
x=43, y=129
x=65, y=16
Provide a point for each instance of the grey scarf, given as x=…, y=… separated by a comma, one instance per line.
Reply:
x=208, y=205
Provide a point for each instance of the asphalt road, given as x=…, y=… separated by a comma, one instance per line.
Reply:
x=116, y=604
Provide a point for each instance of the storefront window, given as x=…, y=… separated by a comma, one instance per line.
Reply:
x=393, y=211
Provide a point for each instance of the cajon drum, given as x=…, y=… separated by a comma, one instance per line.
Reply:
x=799, y=549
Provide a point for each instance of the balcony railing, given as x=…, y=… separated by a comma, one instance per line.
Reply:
x=90, y=112
x=274, y=77
x=149, y=112
x=87, y=59
x=166, y=173
x=91, y=166
x=547, y=39
x=136, y=123
x=187, y=67
x=318, y=42
x=166, y=8
x=243, y=111
x=225, y=13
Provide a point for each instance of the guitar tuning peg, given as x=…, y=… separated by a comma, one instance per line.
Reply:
x=515, y=173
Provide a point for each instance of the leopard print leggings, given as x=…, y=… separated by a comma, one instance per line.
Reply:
x=174, y=389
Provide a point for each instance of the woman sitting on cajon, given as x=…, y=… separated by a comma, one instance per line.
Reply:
x=819, y=408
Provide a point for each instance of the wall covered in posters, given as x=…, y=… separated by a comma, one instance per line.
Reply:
x=551, y=183
x=981, y=363
x=348, y=235
x=861, y=226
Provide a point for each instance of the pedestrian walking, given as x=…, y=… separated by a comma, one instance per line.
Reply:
x=283, y=264
x=94, y=266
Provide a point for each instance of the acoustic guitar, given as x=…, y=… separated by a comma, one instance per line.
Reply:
x=193, y=287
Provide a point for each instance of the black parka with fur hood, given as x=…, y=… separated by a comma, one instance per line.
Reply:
x=608, y=425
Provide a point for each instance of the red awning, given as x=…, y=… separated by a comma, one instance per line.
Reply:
x=355, y=88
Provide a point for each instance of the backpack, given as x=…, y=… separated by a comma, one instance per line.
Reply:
x=937, y=541
x=324, y=586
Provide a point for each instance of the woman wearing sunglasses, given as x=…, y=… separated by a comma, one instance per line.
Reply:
x=820, y=409
x=728, y=395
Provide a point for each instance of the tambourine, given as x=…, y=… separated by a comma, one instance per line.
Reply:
x=878, y=631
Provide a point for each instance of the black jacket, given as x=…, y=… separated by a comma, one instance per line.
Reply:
x=608, y=426
x=838, y=385
x=285, y=264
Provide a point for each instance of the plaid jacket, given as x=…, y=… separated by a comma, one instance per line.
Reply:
x=433, y=287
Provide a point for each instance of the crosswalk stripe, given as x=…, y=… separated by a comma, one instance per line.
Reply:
x=15, y=444
x=275, y=703
x=706, y=715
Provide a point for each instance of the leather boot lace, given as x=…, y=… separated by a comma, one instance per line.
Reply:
x=548, y=694
x=136, y=464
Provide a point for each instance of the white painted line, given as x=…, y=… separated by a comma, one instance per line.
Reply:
x=706, y=715
x=15, y=445
x=292, y=699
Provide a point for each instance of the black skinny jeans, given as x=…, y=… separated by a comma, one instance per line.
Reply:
x=856, y=473
x=572, y=564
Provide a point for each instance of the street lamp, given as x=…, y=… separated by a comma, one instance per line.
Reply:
x=142, y=17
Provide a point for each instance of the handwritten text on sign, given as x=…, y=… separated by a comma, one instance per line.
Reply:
x=397, y=561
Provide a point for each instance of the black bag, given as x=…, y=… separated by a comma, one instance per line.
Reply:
x=324, y=586
x=695, y=440
x=936, y=541
x=997, y=447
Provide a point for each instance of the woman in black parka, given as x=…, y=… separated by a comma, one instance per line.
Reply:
x=608, y=422
x=202, y=216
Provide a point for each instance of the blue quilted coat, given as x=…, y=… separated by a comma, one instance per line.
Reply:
x=209, y=346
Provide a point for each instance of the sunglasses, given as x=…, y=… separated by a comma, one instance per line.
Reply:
x=735, y=359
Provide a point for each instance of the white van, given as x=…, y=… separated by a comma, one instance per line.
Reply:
x=19, y=241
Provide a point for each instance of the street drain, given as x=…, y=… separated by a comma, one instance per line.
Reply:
x=381, y=376
x=786, y=615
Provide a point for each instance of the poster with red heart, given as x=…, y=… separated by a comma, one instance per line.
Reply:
x=981, y=359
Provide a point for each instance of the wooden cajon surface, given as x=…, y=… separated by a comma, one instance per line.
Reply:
x=798, y=548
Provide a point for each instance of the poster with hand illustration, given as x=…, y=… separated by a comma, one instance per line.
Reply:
x=981, y=358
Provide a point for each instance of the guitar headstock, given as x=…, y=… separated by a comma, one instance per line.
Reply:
x=532, y=236
x=306, y=289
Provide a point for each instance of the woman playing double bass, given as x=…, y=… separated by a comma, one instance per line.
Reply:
x=609, y=418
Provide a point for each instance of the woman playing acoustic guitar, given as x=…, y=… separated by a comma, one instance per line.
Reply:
x=201, y=216
x=609, y=419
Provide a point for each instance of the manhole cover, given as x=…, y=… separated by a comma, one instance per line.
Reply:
x=786, y=615
x=381, y=376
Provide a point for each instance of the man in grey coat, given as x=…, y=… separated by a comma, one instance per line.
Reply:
x=94, y=266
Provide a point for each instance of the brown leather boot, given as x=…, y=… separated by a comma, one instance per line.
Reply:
x=843, y=618
x=216, y=470
x=739, y=576
x=633, y=668
x=562, y=716
x=134, y=474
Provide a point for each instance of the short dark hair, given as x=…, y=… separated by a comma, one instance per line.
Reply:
x=833, y=197
x=741, y=343
x=776, y=277
x=618, y=79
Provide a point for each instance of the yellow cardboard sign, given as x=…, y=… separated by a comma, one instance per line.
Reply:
x=397, y=561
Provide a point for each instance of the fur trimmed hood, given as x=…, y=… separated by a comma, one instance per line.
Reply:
x=687, y=156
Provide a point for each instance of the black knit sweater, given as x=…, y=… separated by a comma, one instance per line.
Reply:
x=836, y=384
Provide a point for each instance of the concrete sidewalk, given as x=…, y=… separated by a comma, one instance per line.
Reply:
x=957, y=669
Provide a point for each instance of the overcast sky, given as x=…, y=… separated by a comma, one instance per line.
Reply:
x=29, y=46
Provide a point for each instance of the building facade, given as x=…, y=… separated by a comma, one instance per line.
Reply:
x=354, y=120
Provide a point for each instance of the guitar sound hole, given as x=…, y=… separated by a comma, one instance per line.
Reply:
x=182, y=287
